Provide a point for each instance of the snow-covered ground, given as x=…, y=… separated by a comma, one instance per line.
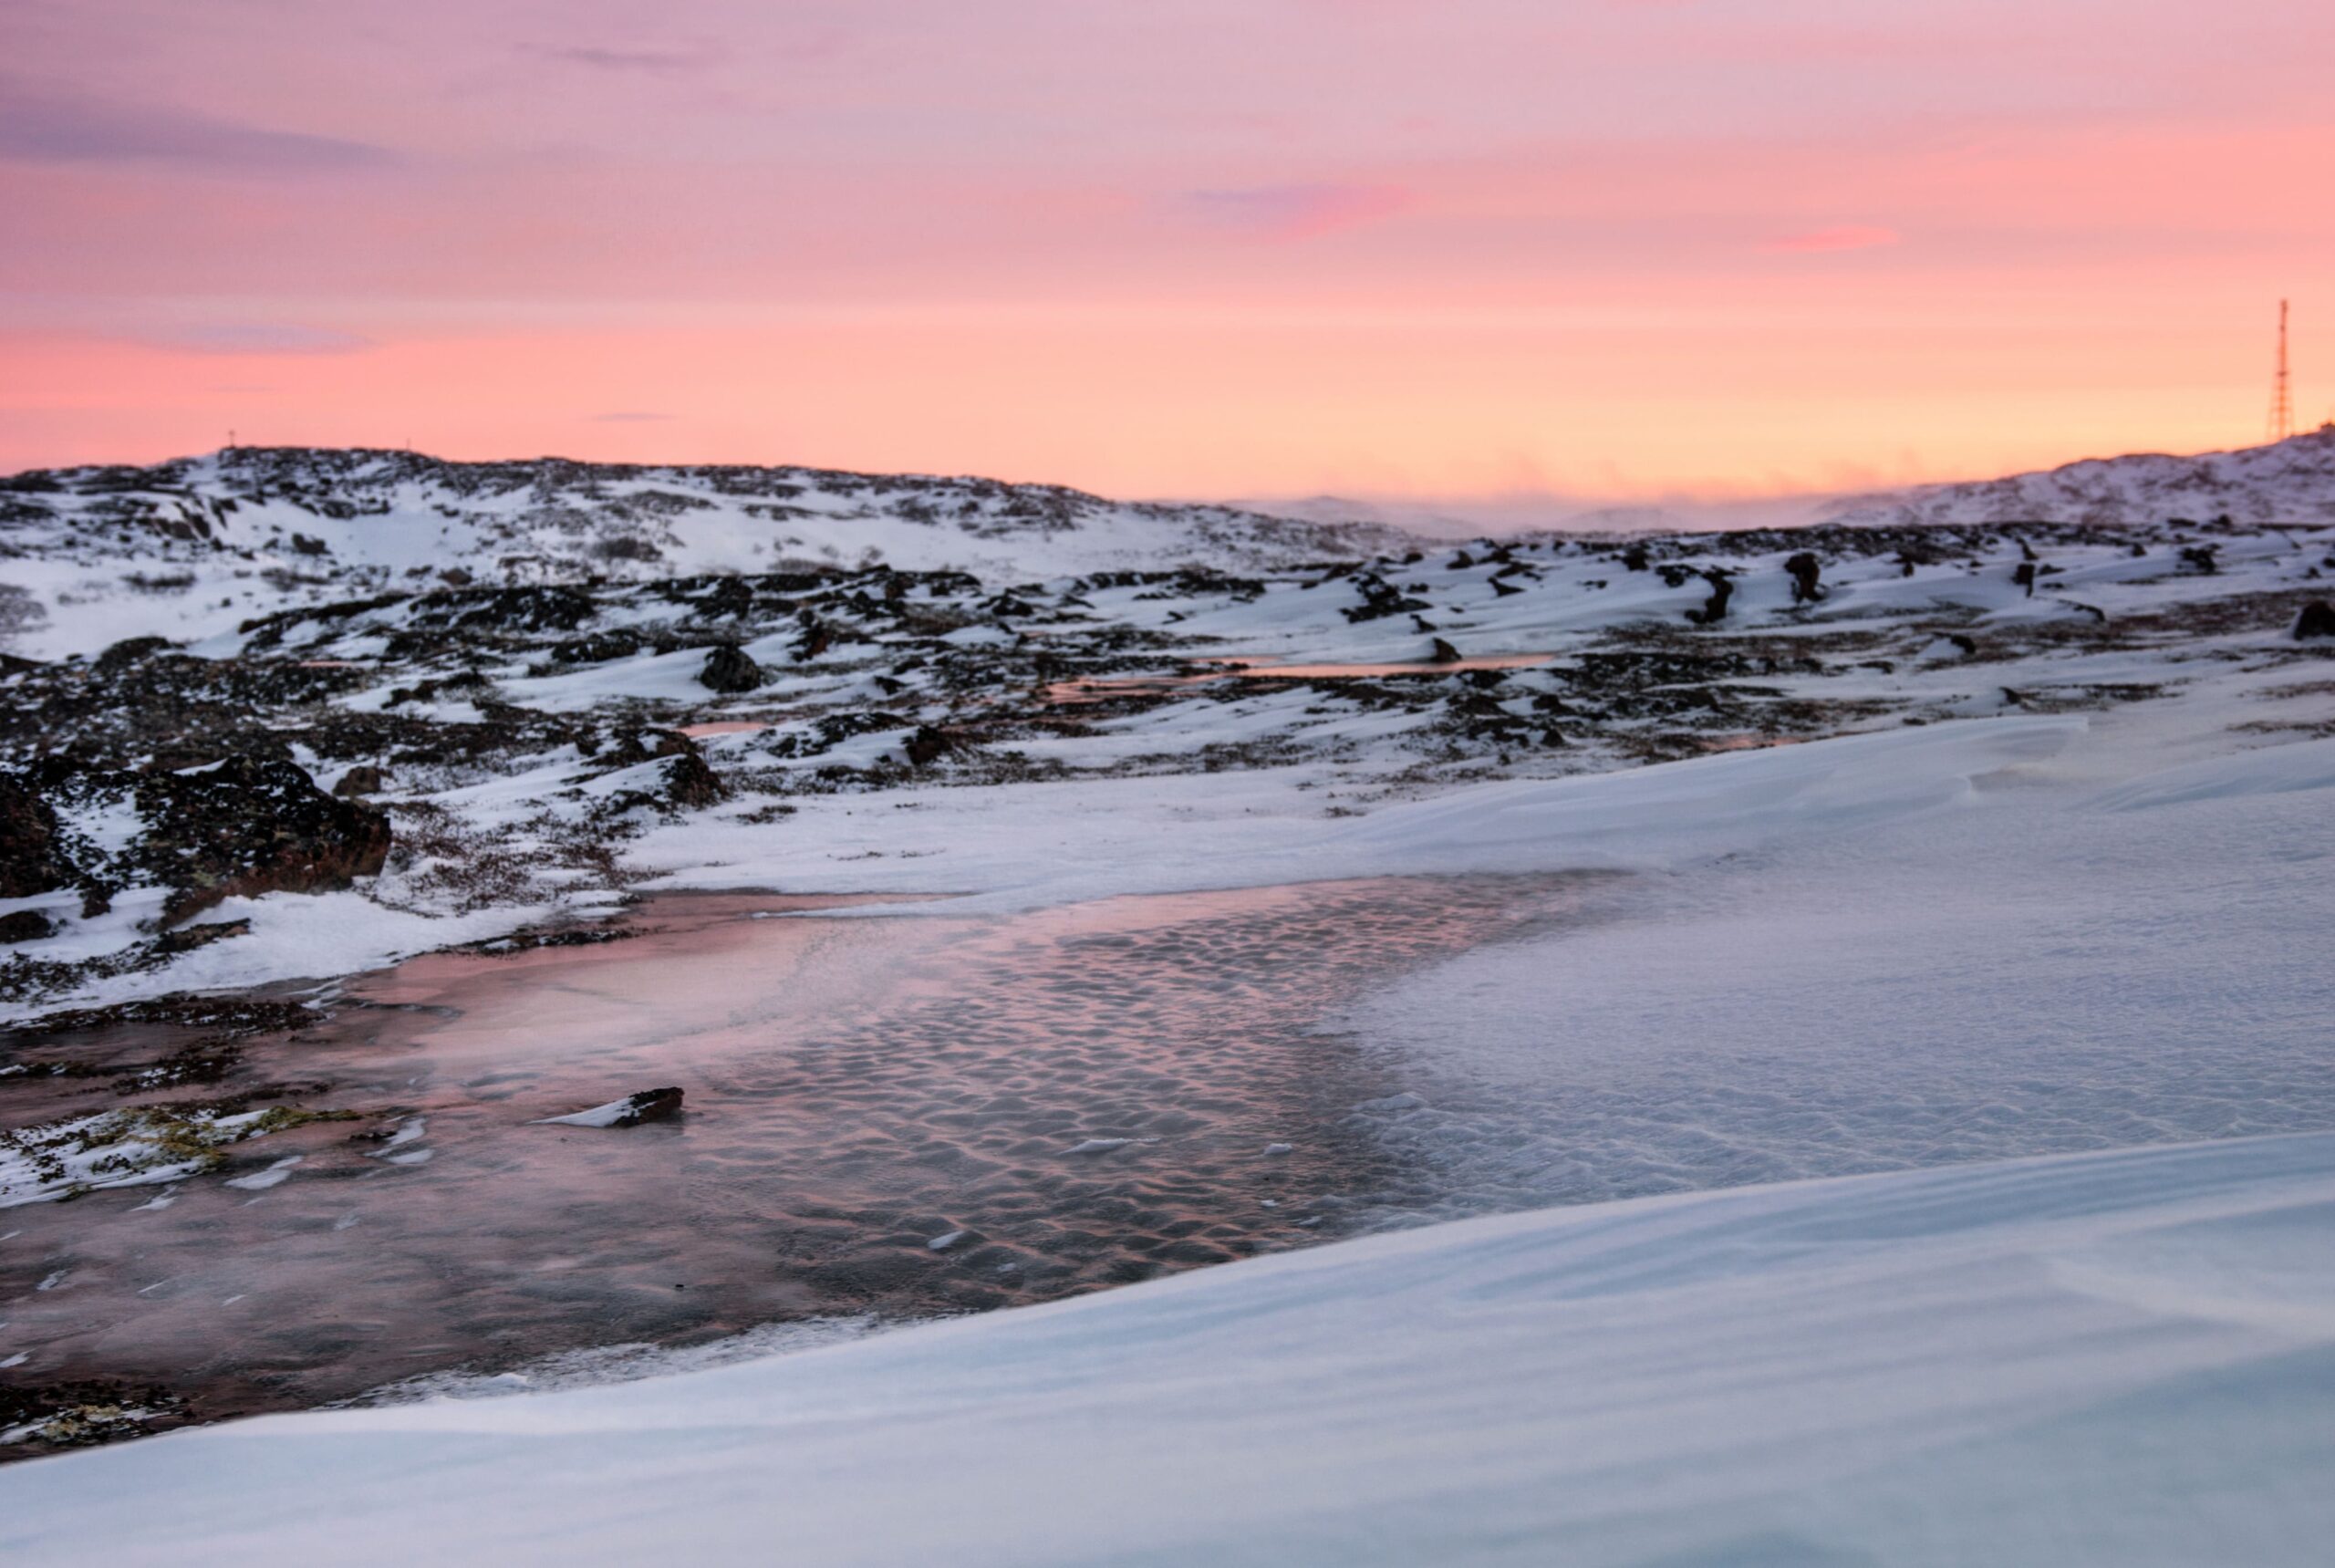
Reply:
x=1088, y=699
x=1914, y=949
x=2117, y=1359
x=2026, y=925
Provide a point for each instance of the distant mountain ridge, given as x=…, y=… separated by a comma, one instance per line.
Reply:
x=2291, y=481
x=191, y=547
x=202, y=543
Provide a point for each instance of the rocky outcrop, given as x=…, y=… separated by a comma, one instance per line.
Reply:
x=242, y=827
x=1804, y=569
x=928, y=746
x=1713, y=608
x=729, y=670
x=2317, y=620
x=31, y=861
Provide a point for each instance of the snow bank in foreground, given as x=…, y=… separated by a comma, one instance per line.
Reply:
x=2123, y=1358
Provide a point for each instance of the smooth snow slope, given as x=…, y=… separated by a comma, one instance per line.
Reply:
x=2125, y=1359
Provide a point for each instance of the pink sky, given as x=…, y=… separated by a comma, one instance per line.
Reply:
x=1605, y=247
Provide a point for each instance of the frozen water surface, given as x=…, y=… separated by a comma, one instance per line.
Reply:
x=904, y=1113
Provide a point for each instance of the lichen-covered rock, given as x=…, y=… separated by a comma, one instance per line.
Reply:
x=244, y=826
x=252, y=826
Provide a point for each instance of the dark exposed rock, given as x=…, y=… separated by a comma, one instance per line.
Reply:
x=2201, y=558
x=643, y=1105
x=1714, y=607
x=31, y=861
x=358, y=781
x=1634, y=558
x=927, y=746
x=2317, y=620
x=1804, y=569
x=25, y=926
x=1443, y=653
x=186, y=939
x=597, y=647
x=2024, y=577
x=688, y=782
x=248, y=826
x=1379, y=598
x=530, y=609
x=128, y=651
x=633, y=746
x=730, y=671
x=732, y=597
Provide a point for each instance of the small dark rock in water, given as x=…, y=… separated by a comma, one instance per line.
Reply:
x=729, y=670
x=1804, y=569
x=2317, y=620
x=358, y=781
x=1443, y=653
x=647, y=1105
x=25, y=926
x=926, y=746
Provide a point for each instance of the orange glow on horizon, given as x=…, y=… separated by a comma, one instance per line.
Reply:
x=1430, y=252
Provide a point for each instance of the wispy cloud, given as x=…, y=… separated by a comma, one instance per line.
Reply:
x=42, y=125
x=256, y=338
x=1295, y=212
x=650, y=61
x=1842, y=237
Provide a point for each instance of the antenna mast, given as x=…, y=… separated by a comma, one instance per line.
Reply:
x=2282, y=402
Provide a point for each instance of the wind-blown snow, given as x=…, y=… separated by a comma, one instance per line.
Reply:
x=2121, y=1359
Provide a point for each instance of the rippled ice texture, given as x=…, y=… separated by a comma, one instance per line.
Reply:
x=2051, y=970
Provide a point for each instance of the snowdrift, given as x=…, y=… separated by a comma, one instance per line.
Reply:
x=2122, y=1358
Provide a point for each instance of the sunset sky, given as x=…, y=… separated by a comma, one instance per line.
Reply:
x=1610, y=248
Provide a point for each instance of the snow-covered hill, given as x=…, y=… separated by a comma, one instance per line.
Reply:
x=191, y=547
x=2289, y=481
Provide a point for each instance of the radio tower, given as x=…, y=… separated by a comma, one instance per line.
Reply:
x=2282, y=402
